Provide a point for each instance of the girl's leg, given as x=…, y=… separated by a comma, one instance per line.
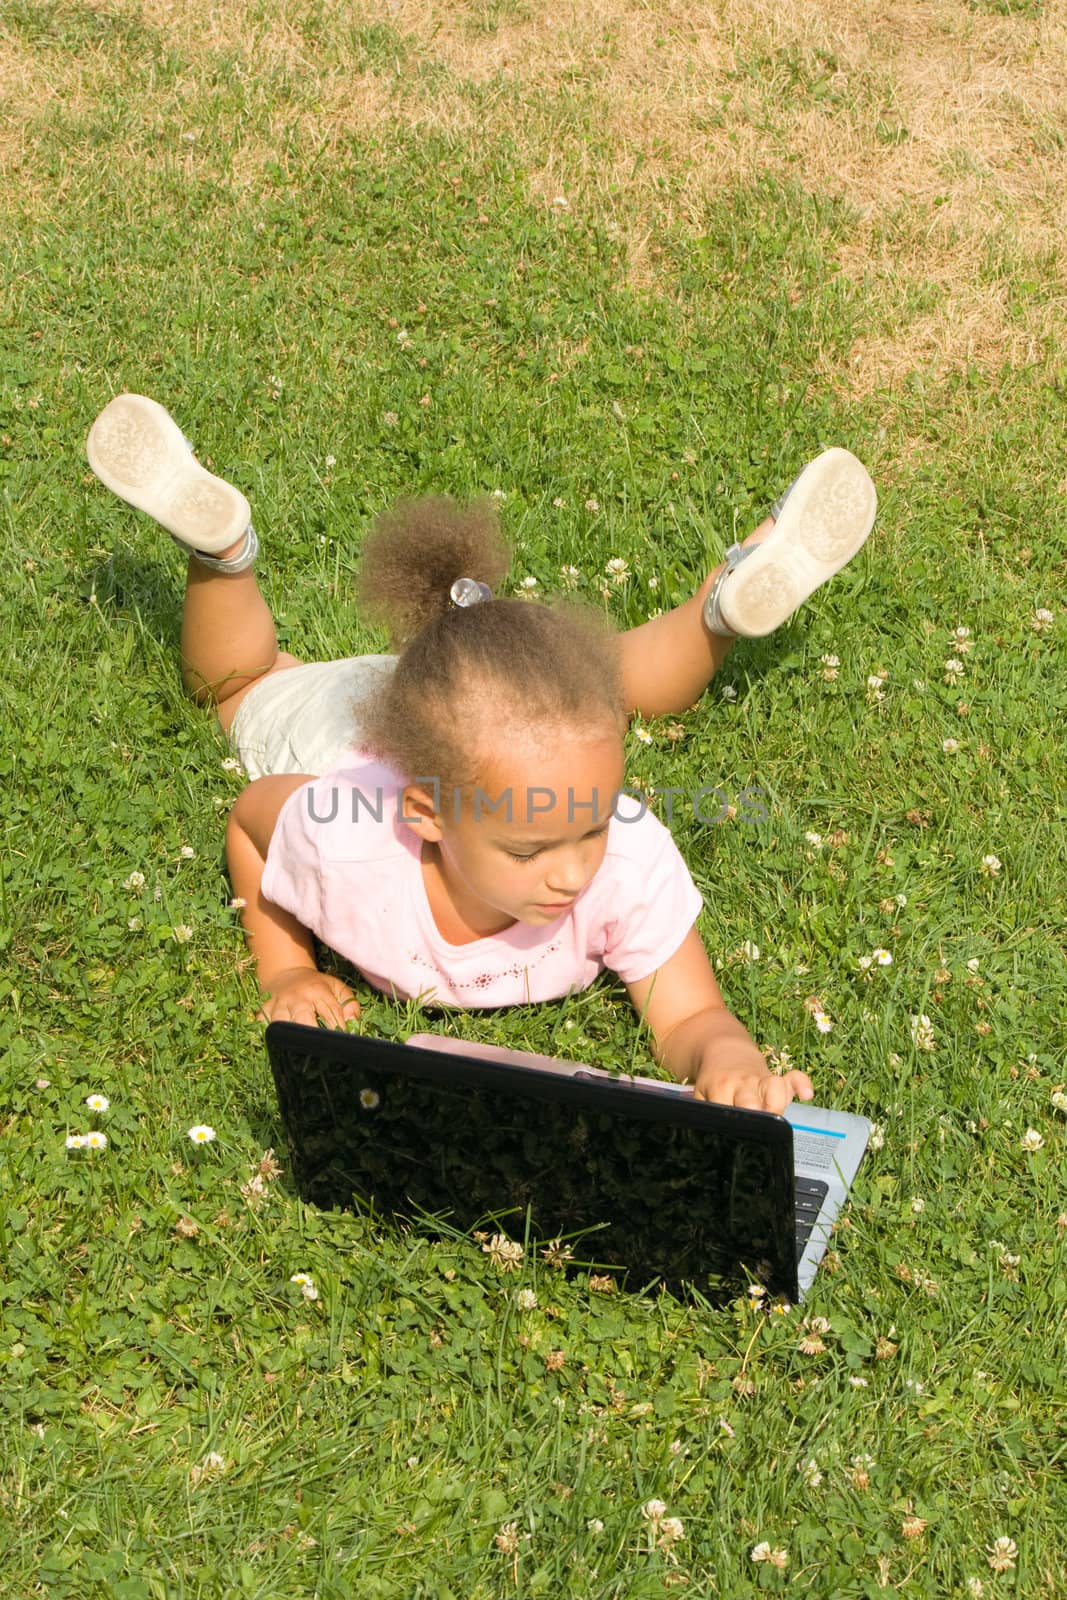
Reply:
x=813, y=530
x=668, y=662
x=228, y=638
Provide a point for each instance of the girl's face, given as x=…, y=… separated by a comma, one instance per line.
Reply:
x=532, y=836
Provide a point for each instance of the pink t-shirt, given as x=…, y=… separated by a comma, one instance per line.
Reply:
x=356, y=882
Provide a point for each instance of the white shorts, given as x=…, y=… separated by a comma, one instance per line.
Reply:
x=304, y=719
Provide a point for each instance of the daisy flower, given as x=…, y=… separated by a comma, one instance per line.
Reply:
x=822, y=1021
x=97, y=1102
x=201, y=1133
x=75, y=1141
x=369, y=1099
x=96, y=1141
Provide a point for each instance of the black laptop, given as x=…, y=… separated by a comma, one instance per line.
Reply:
x=637, y=1175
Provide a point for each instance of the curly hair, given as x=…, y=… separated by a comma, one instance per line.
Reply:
x=467, y=675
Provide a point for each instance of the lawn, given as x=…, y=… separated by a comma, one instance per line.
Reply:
x=627, y=266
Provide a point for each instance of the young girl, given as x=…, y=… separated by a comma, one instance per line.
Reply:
x=449, y=819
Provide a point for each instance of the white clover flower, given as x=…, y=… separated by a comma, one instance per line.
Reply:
x=98, y=1102
x=75, y=1141
x=498, y=494
x=42, y=1083
x=390, y=419
x=750, y=951
x=570, y=576
x=595, y=1525
x=875, y=691
x=671, y=1529
x=859, y=1383
x=822, y=1021
x=643, y=734
x=901, y=900
x=973, y=964
x=654, y=1510
x=559, y=502
x=763, y=1552
x=370, y=1099
x=182, y=933
x=529, y=582
x=950, y=746
x=135, y=882
x=830, y=661
x=729, y=692
x=403, y=336
x=592, y=504
x=187, y=852
x=1059, y=1099
x=1031, y=1140
x=1002, y=1554
x=975, y=1588
x=815, y=840
x=953, y=669
x=231, y=764
x=864, y=962
x=617, y=570
x=526, y=1300
x=96, y=1141
x=877, y=1139
x=991, y=865
x=810, y=1472
x=1042, y=618
x=331, y=461
x=505, y=1254
x=653, y=583
x=961, y=632
x=922, y=1032
x=561, y=201
x=201, y=1133
x=135, y=924
x=918, y=1204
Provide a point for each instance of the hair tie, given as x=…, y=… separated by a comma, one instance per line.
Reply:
x=469, y=592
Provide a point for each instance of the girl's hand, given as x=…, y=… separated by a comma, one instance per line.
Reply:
x=750, y=1085
x=304, y=994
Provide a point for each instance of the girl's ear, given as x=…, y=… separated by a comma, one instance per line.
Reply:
x=418, y=809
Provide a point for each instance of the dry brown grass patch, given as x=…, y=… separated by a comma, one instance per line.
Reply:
x=939, y=126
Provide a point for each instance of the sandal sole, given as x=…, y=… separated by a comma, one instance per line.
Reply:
x=826, y=519
x=138, y=451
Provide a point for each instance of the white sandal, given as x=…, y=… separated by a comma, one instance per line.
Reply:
x=823, y=518
x=137, y=449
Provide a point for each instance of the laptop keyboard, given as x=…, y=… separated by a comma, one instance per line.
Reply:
x=810, y=1194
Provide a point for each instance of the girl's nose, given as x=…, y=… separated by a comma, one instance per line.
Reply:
x=569, y=875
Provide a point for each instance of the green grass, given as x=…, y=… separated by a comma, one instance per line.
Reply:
x=376, y=1440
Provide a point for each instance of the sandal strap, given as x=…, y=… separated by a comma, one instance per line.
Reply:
x=713, y=617
x=229, y=565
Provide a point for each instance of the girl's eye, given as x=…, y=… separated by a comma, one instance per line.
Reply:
x=531, y=857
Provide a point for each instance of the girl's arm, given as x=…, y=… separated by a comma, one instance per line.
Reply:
x=295, y=989
x=701, y=1042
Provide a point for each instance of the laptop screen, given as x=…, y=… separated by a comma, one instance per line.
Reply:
x=658, y=1185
